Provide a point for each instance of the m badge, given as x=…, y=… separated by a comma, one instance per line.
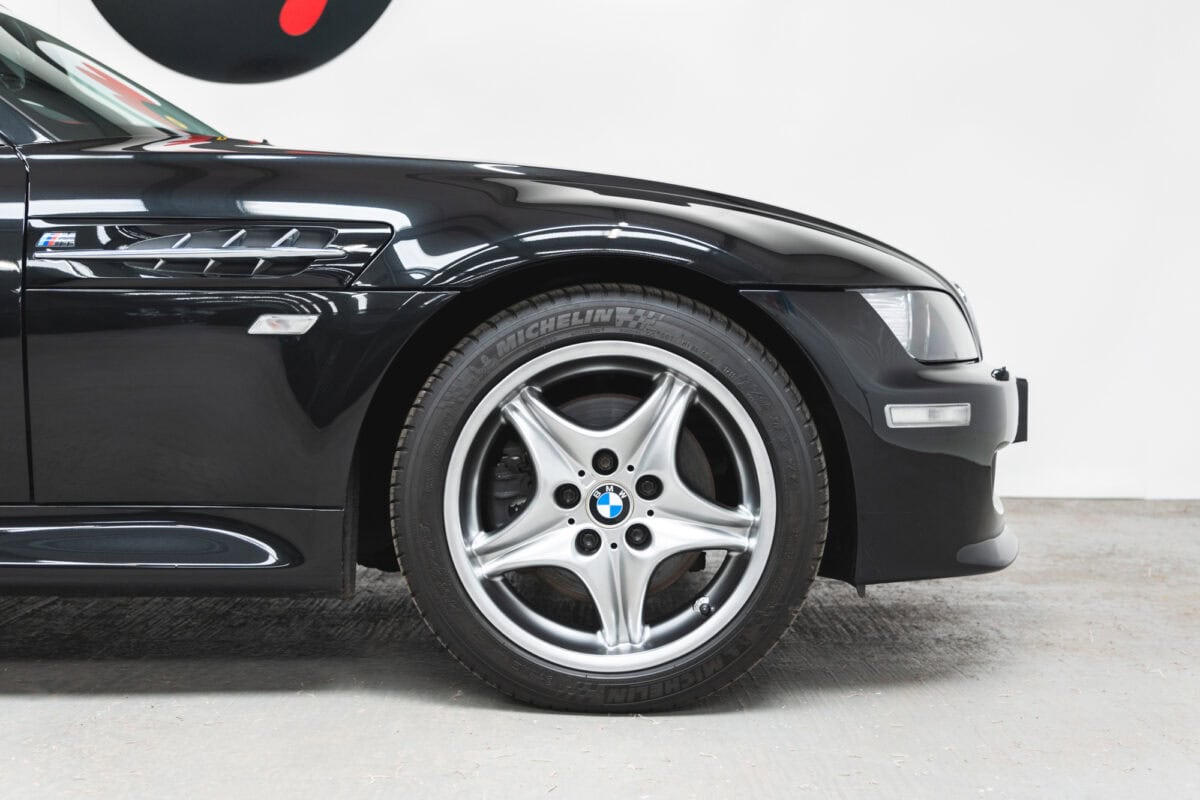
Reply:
x=57, y=239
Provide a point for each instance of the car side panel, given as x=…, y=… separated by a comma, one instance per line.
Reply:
x=162, y=397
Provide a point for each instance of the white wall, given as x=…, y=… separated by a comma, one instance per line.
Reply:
x=1042, y=154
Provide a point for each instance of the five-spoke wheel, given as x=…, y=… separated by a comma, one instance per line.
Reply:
x=615, y=537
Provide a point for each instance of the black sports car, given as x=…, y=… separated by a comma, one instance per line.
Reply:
x=611, y=430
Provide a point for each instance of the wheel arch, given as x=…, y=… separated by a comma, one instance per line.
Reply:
x=418, y=358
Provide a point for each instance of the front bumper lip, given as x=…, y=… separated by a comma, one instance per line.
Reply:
x=995, y=553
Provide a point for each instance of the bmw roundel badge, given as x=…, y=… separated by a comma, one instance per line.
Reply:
x=609, y=504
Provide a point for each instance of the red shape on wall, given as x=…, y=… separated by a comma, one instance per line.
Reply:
x=299, y=16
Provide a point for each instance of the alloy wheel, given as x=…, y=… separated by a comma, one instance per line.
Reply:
x=611, y=505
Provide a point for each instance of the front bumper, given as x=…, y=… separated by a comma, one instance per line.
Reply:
x=921, y=501
x=995, y=553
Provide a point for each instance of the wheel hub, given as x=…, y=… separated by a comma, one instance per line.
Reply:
x=610, y=504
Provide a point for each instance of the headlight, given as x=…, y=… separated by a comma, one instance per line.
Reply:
x=927, y=323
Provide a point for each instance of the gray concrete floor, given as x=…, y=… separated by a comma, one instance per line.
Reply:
x=1073, y=673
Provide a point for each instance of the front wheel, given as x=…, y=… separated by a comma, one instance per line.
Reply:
x=609, y=498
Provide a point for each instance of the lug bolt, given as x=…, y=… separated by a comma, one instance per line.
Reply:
x=604, y=462
x=649, y=487
x=587, y=542
x=567, y=496
x=637, y=537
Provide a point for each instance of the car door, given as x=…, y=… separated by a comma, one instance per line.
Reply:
x=14, y=456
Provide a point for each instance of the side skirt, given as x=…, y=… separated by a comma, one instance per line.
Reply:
x=149, y=550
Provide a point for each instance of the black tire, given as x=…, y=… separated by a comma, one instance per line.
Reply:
x=668, y=321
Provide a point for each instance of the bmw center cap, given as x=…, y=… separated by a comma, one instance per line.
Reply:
x=609, y=504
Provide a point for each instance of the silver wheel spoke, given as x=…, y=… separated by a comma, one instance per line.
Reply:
x=529, y=536
x=551, y=549
x=673, y=536
x=710, y=522
x=557, y=446
x=648, y=436
x=617, y=581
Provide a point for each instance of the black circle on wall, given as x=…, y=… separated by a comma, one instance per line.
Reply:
x=242, y=41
